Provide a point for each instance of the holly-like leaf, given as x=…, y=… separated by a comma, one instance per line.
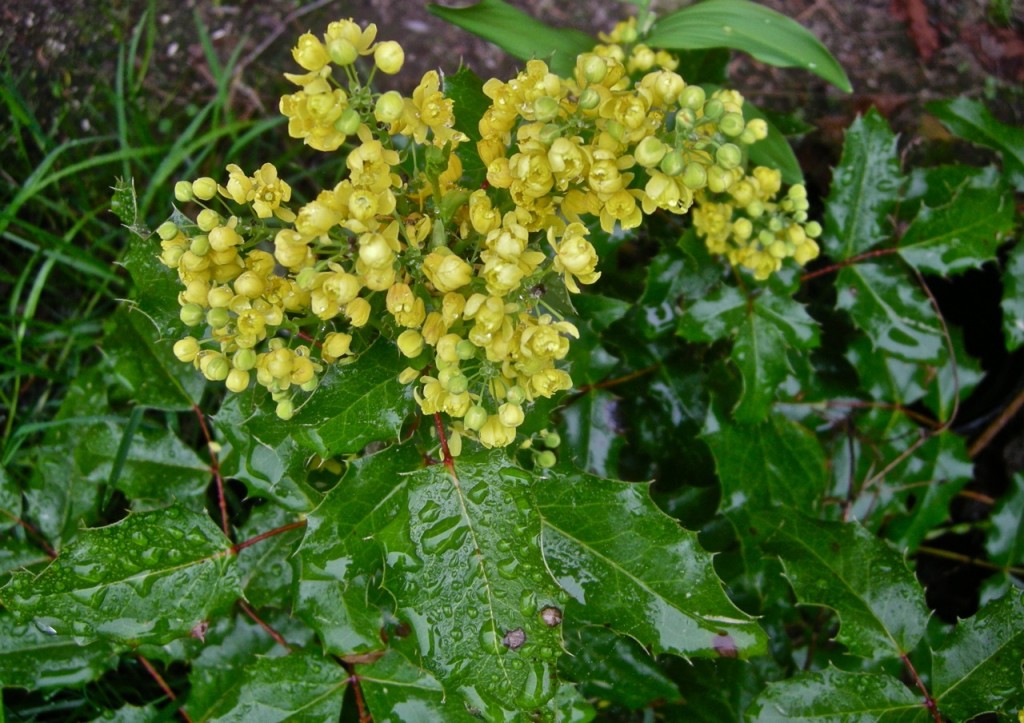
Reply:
x=615, y=668
x=890, y=308
x=627, y=565
x=152, y=577
x=355, y=404
x=341, y=558
x=156, y=286
x=1005, y=539
x=145, y=366
x=741, y=25
x=592, y=435
x=265, y=569
x=1013, y=298
x=962, y=233
x=395, y=691
x=10, y=501
x=865, y=187
x=518, y=34
x=842, y=566
x=32, y=657
x=837, y=696
x=972, y=121
x=300, y=686
x=783, y=456
x=978, y=667
x=475, y=590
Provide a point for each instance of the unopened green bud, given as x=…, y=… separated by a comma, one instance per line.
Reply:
x=550, y=133
x=475, y=418
x=545, y=108
x=713, y=109
x=389, y=57
x=516, y=394
x=465, y=349
x=731, y=124
x=348, y=123
x=183, y=191
x=719, y=179
x=686, y=118
x=649, y=152
x=410, y=343
x=244, y=359
x=191, y=314
x=305, y=278
x=615, y=129
x=167, y=230
x=218, y=318
x=186, y=349
x=813, y=229
x=237, y=381
x=546, y=459
x=208, y=219
x=458, y=383
x=200, y=245
x=672, y=164
x=552, y=440
x=342, y=52
x=589, y=99
x=215, y=368
x=389, y=107
x=692, y=97
x=594, y=68
x=285, y=409
x=204, y=188
x=695, y=176
x=728, y=156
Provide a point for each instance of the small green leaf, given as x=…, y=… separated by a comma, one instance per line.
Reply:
x=741, y=25
x=837, y=696
x=152, y=577
x=265, y=569
x=615, y=668
x=627, y=565
x=299, y=686
x=518, y=34
x=466, y=91
x=865, y=187
x=33, y=659
x=888, y=306
x=1013, y=298
x=10, y=501
x=1005, y=539
x=962, y=233
x=396, y=691
x=972, y=121
x=842, y=566
x=592, y=436
x=355, y=404
x=978, y=667
x=156, y=286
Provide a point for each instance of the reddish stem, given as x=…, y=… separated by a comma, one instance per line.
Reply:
x=618, y=380
x=847, y=262
x=215, y=471
x=929, y=702
x=239, y=546
x=278, y=638
x=34, y=534
x=448, y=460
x=353, y=678
x=163, y=684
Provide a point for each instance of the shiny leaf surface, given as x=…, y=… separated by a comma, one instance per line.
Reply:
x=31, y=657
x=837, y=696
x=1013, y=298
x=972, y=121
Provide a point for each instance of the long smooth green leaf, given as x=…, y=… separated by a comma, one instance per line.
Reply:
x=518, y=34
x=746, y=26
x=627, y=565
x=842, y=566
x=152, y=577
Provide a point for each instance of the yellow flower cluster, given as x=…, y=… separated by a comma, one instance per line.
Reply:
x=454, y=275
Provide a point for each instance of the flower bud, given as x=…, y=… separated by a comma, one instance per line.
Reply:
x=694, y=176
x=692, y=97
x=199, y=245
x=589, y=99
x=250, y=284
x=408, y=375
x=285, y=409
x=552, y=440
x=812, y=229
x=244, y=360
x=410, y=343
x=713, y=109
x=546, y=459
x=237, y=381
x=511, y=415
x=310, y=53
x=545, y=108
x=475, y=418
x=358, y=311
x=389, y=57
x=731, y=124
x=186, y=349
x=728, y=156
x=167, y=230
x=182, y=191
x=446, y=271
x=594, y=68
x=218, y=318
x=516, y=394
x=215, y=367
x=465, y=349
x=649, y=152
x=191, y=314
x=342, y=52
x=758, y=127
x=389, y=107
x=458, y=383
x=204, y=188
x=337, y=345
x=348, y=122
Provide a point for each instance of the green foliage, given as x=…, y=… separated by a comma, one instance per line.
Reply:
x=721, y=521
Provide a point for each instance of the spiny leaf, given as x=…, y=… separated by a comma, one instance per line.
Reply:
x=1005, y=539
x=978, y=668
x=299, y=686
x=972, y=121
x=395, y=691
x=355, y=404
x=592, y=437
x=475, y=589
x=842, y=566
x=741, y=25
x=33, y=659
x=156, y=287
x=1013, y=298
x=627, y=565
x=837, y=696
x=889, y=307
x=518, y=34
x=152, y=577
x=865, y=188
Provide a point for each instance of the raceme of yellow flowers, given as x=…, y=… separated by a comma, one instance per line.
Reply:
x=455, y=275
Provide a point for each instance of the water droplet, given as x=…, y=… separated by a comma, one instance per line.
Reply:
x=444, y=535
x=140, y=538
x=473, y=612
x=507, y=568
x=478, y=494
x=430, y=511
x=528, y=602
x=44, y=628
x=488, y=638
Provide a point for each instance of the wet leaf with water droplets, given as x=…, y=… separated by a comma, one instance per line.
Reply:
x=149, y=578
x=842, y=566
x=837, y=695
x=395, y=691
x=626, y=564
x=34, y=659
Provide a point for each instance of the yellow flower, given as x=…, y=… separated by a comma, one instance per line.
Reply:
x=312, y=115
x=429, y=111
x=360, y=39
x=495, y=433
x=335, y=346
x=575, y=257
x=310, y=53
x=446, y=271
x=269, y=193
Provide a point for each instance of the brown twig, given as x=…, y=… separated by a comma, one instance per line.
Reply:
x=990, y=432
x=353, y=678
x=968, y=560
x=35, y=534
x=929, y=702
x=847, y=262
x=155, y=675
x=447, y=458
x=607, y=383
x=278, y=638
x=239, y=546
x=215, y=471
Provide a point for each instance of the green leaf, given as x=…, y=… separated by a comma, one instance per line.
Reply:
x=593, y=437
x=1005, y=539
x=888, y=306
x=299, y=686
x=395, y=691
x=475, y=588
x=152, y=577
x=265, y=569
x=865, y=187
x=774, y=151
x=34, y=659
x=615, y=668
x=741, y=25
x=962, y=233
x=627, y=565
x=341, y=558
x=837, y=696
x=842, y=566
x=355, y=404
x=10, y=501
x=145, y=366
x=518, y=34
x=972, y=121
x=1013, y=298
x=783, y=456
x=978, y=668
x=156, y=286
x=466, y=91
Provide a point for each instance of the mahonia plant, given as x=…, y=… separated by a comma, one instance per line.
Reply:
x=455, y=275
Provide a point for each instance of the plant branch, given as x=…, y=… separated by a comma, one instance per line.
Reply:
x=155, y=674
x=35, y=534
x=990, y=432
x=278, y=638
x=447, y=458
x=929, y=702
x=353, y=678
x=847, y=262
x=215, y=471
x=968, y=560
x=239, y=546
